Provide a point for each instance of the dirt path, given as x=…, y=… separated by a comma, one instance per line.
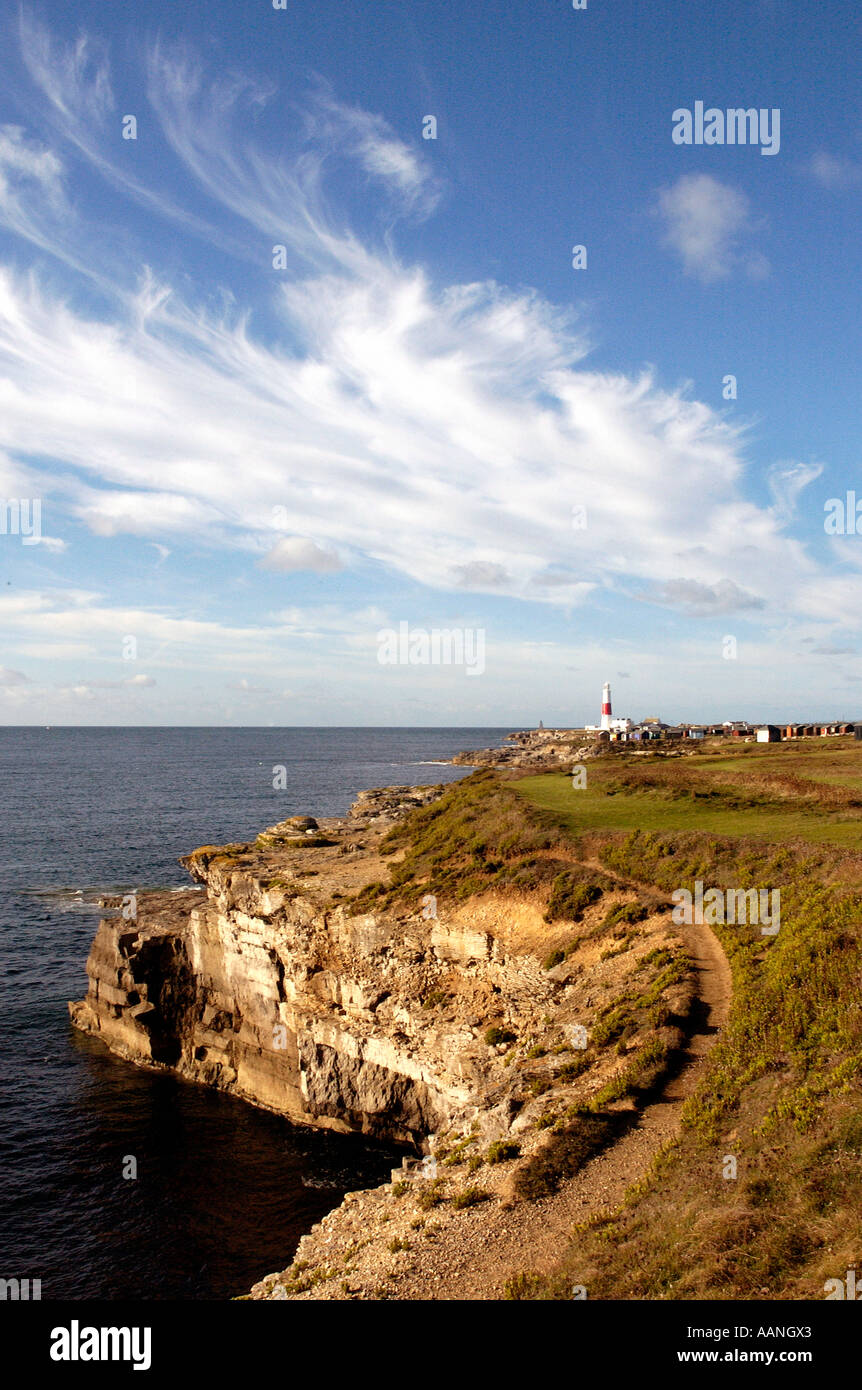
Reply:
x=534, y=1236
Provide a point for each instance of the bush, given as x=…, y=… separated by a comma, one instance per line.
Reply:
x=434, y=998
x=524, y=1287
x=470, y=1197
x=494, y=1036
x=538, y=1085
x=502, y=1150
x=570, y=897
x=430, y=1196
x=625, y=912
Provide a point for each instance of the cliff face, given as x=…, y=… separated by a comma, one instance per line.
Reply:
x=504, y=1038
x=263, y=985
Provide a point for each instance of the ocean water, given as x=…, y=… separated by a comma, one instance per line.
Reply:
x=223, y=1191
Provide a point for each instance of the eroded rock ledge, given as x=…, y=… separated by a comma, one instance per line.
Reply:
x=264, y=985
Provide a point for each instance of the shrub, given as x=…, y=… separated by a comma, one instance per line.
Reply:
x=502, y=1150
x=524, y=1287
x=430, y=1196
x=494, y=1036
x=570, y=897
x=470, y=1197
x=538, y=1085
x=554, y=958
x=435, y=997
x=625, y=912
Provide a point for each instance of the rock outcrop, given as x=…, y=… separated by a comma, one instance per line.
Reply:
x=534, y=748
x=265, y=985
x=472, y=1036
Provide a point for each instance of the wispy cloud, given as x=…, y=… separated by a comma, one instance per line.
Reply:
x=834, y=171
x=442, y=432
x=711, y=227
x=704, y=600
x=74, y=77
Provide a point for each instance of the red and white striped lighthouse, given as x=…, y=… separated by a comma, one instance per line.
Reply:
x=606, y=706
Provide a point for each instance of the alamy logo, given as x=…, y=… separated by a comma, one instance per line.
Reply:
x=849, y=1287
x=844, y=515
x=736, y=126
x=440, y=647
x=21, y=516
x=77, y=1343
x=736, y=907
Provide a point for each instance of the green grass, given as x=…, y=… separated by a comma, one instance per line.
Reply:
x=592, y=809
x=478, y=836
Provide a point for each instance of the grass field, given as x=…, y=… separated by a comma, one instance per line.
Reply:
x=597, y=810
x=778, y=794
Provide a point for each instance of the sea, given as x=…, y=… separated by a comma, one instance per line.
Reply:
x=220, y=1192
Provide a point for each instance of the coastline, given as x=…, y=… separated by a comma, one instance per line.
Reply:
x=443, y=1031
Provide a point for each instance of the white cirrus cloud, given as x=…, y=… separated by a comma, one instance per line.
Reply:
x=787, y=480
x=439, y=432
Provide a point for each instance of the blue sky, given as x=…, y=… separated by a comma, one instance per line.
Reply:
x=247, y=464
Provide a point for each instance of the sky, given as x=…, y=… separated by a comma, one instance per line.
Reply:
x=300, y=365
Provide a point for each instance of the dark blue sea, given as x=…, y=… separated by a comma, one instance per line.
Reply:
x=224, y=1191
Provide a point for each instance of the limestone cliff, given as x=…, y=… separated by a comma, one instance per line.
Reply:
x=264, y=985
x=514, y=1027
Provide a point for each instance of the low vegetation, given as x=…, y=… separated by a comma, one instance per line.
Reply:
x=761, y=1195
x=479, y=835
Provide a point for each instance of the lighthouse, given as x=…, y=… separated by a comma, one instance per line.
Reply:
x=614, y=727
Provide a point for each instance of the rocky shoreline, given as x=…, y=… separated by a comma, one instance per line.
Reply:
x=449, y=1034
x=538, y=749
x=265, y=986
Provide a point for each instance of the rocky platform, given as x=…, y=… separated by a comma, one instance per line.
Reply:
x=536, y=749
x=262, y=983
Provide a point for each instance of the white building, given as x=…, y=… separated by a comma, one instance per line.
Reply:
x=609, y=724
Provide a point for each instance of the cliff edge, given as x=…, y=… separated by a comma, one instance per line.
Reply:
x=511, y=1027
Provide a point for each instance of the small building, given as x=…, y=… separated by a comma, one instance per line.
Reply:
x=769, y=733
x=857, y=731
